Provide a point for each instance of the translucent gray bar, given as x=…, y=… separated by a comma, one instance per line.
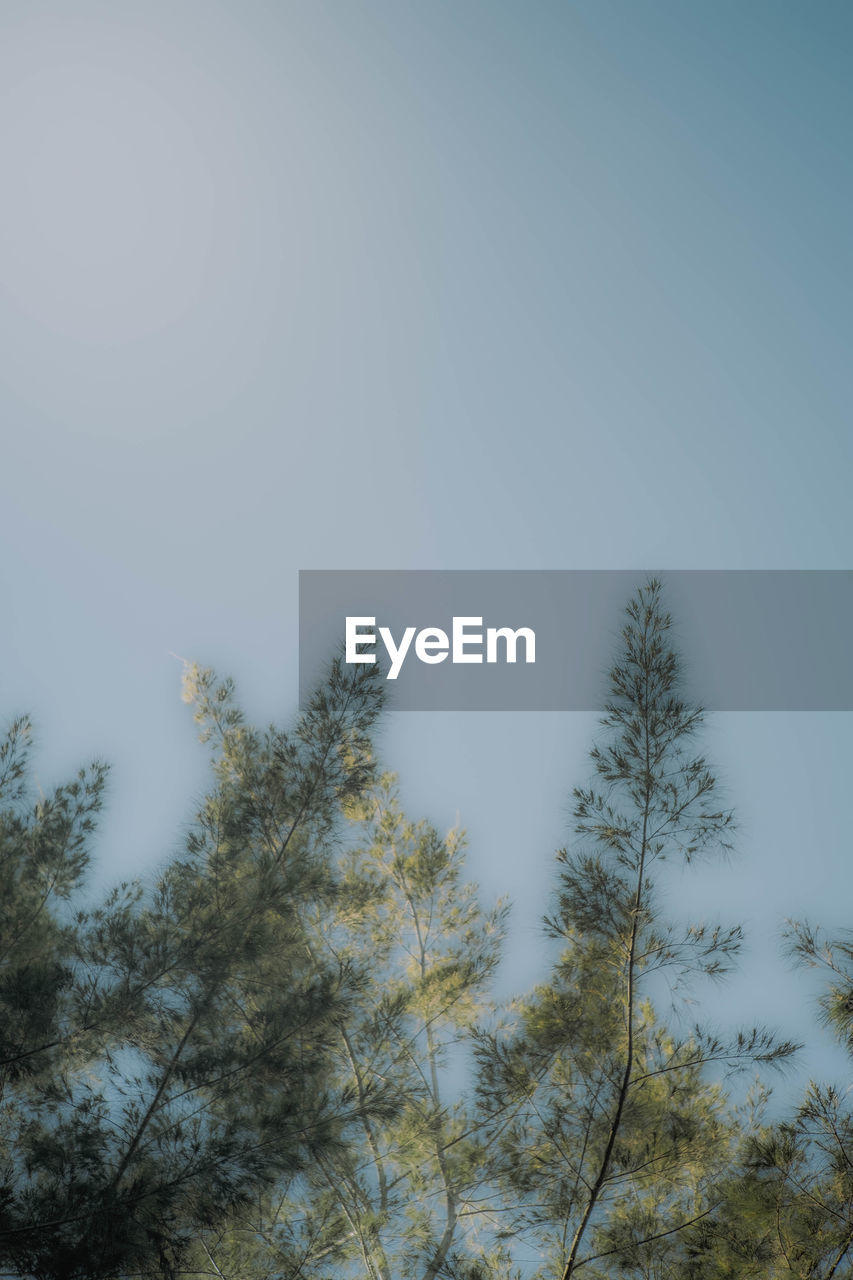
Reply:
x=750, y=640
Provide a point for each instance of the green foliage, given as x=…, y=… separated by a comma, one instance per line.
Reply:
x=257, y=1066
x=399, y=1198
x=609, y=1137
x=43, y=856
x=788, y=1208
x=167, y=1053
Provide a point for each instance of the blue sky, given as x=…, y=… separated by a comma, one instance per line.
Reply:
x=421, y=285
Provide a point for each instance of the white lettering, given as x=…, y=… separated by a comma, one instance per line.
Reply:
x=461, y=638
x=431, y=645
x=511, y=638
x=397, y=655
x=354, y=639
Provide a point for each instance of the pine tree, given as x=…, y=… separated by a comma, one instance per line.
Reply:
x=788, y=1208
x=610, y=1137
x=45, y=1034
x=398, y=1199
x=178, y=1056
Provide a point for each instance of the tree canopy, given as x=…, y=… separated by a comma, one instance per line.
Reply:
x=167, y=1053
x=283, y=1056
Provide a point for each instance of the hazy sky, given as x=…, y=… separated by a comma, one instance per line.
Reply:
x=421, y=285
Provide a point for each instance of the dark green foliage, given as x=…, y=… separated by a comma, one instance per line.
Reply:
x=43, y=855
x=168, y=1053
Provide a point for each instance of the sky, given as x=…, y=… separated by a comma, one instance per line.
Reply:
x=423, y=285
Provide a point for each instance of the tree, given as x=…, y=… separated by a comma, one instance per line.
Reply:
x=398, y=1198
x=167, y=1053
x=254, y=1067
x=610, y=1137
x=44, y=852
x=788, y=1208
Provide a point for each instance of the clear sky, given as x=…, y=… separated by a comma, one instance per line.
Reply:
x=422, y=285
